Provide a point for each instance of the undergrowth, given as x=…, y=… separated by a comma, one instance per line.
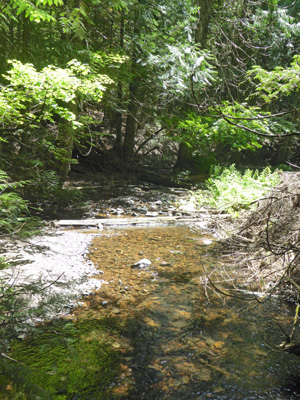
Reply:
x=47, y=191
x=230, y=190
x=13, y=208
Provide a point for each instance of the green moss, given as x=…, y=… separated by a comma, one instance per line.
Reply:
x=64, y=359
x=3, y=263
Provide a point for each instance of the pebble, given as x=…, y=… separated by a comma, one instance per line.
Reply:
x=210, y=342
x=207, y=241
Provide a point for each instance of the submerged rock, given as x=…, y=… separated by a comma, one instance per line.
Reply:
x=143, y=263
x=165, y=264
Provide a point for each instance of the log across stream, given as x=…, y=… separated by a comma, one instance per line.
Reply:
x=117, y=222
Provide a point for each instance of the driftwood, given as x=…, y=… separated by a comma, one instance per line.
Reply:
x=118, y=222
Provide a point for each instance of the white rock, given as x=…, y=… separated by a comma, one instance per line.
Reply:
x=144, y=262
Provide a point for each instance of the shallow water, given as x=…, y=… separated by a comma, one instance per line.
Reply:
x=162, y=336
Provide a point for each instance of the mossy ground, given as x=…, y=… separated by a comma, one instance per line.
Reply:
x=65, y=359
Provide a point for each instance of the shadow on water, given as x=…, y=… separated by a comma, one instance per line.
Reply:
x=152, y=333
x=224, y=354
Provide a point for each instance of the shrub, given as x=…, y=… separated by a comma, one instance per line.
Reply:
x=230, y=190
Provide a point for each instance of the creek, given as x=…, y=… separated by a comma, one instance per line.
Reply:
x=156, y=332
x=153, y=333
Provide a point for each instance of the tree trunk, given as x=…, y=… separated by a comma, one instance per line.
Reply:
x=25, y=37
x=66, y=139
x=185, y=153
x=118, y=115
x=118, y=119
x=283, y=153
x=131, y=120
x=131, y=125
x=203, y=19
x=184, y=157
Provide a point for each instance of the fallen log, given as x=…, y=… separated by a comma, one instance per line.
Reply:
x=118, y=222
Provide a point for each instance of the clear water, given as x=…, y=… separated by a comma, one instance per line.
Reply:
x=169, y=339
x=186, y=345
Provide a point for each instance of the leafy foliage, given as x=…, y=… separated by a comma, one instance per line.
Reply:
x=279, y=82
x=230, y=190
x=43, y=92
x=183, y=67
x=36, y=10
x=37, y=105
x=213, y=129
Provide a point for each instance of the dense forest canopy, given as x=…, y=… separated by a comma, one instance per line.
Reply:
x=110, y=83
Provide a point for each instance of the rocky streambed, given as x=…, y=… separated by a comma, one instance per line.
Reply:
x=57, y=261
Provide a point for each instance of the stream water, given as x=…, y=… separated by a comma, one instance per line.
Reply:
x=155, y=333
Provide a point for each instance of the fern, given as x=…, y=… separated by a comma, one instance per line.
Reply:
x=230, y=190
x=12, y=207
x=37, y=10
